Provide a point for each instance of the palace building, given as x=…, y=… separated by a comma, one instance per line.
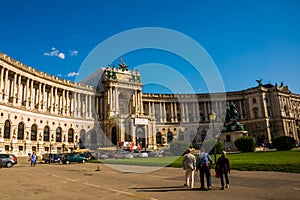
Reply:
x=43, y=113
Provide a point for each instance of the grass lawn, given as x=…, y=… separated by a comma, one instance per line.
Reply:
x=284, y=161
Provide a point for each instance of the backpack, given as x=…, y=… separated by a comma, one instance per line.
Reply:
x=202, y=161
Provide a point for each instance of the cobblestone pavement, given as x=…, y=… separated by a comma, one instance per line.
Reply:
x=82, y=181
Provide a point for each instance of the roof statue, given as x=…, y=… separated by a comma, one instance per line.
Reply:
x=122, y=65
x=259, y=82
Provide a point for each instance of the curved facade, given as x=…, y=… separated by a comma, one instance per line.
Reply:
x=43, y=113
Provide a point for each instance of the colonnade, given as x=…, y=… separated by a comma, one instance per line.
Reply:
x=32, y=93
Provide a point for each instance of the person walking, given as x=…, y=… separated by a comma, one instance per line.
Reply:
x=223, y=169
x=33, y=159
x=189, y=165
x=203, y=164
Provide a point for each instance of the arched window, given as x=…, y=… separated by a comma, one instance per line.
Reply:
x=46, y=134
x=181, y=136
x=33, y=132
x=21, y=131
x=158, y=138
x=170, y=136
x=58, y=134
x=71, y=135
x=7, y=129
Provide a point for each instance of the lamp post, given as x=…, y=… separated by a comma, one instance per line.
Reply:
x=212, y=117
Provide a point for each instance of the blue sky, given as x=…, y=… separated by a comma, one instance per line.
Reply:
x=247, y=40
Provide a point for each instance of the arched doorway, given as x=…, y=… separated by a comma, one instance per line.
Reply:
x=140, y=136
x=158, y=138
x=114, y=135
x=170, y=136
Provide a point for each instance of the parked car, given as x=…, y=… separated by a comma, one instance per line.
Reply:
x=51, y=158
x=72, y=157
x=152, y=153
x=124, y=154
x=87, y=155
x=140, y=154
x=8, y=160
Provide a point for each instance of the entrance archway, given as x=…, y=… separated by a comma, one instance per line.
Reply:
x=140, y=136
x=114, y=135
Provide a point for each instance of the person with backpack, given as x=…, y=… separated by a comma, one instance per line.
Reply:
x=203, y=164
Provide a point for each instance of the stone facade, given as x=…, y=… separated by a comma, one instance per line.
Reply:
x=43, y=113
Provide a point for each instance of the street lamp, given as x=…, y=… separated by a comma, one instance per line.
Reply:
x=212, y=117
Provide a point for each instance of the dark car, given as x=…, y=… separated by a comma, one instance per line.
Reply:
x=8, y=160
x=51, y=158
x=87, y=155
x=73, y=157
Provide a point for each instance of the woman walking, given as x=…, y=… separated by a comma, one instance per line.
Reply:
x=223, y=169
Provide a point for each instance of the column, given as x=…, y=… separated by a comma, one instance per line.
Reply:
x=79, y=105
x=86, y=106
x=140, y=102
x=32, y=95
x=68, y=103
x=64, y=107
x=187, y=117
x=90, y=106
x=75, y=105
x=160, y=112
x=39, y=97
x=56, y=101
x=44, y=99
x=20, y=91
x=6, y=93
x=182, y=112
x=1, y=84
x=153, y=109
x=164, y=112
x=117, y=100
x=51, y=100
x=175, y=112
x=14, y=90
x=97, y=106
x=172, y=111
x=27, y=94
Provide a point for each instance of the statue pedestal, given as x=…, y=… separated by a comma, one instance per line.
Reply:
x=228, y=139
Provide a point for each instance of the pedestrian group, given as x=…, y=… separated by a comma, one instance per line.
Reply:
x=203, y=165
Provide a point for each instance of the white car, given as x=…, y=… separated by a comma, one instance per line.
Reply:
x=140, y=154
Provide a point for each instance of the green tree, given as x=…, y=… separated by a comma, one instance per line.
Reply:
x=245, y=144
x=283, y=143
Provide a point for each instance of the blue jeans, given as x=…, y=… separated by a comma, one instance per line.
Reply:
x=205, y=170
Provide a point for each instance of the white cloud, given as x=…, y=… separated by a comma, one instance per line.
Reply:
x=73, y=52
x=61, y=55
x=55, y=52
x=71, y=74
x=59, y=75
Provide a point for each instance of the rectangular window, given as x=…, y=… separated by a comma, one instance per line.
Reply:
x=6, y=147
x=20, y=148
x=33, y=148
x=254, y=100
